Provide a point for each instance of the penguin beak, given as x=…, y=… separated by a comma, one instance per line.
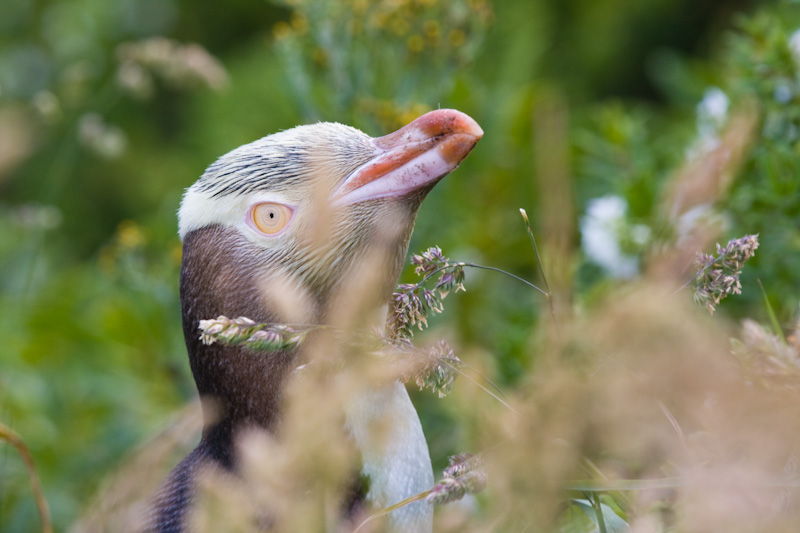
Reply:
x=417, y=155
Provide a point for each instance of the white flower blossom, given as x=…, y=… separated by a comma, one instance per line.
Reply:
x=105, y=140
x=714, y=106
x=603, y=230
x=794, y=45
x=712, y=114
x=783, y=93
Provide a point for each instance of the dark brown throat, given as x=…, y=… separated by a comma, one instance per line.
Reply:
x=222, y=273
x=239, y=388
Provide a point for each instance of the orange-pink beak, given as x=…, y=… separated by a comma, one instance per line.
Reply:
x=418, y=154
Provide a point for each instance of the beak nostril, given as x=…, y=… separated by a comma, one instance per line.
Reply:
x=440, y=122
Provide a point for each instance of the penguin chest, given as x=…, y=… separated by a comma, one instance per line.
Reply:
x=387, y=431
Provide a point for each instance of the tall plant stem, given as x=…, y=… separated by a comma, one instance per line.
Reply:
x=594, y=497
x=547, y=293
x=9, y=435
x=483, y=267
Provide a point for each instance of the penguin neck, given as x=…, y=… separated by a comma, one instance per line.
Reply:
x=221, y=274
x=239, y=388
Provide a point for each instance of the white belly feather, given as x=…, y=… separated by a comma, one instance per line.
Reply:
x=387, y=431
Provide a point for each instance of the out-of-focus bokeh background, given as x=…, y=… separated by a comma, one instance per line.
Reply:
x=592, y=110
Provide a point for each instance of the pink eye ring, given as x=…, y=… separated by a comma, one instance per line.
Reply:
x=269, y=218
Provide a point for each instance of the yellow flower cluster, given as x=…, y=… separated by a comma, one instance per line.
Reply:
x=417, y=24
x=389, y=115
x=130, y=238
x=389, y=50
x=297, y=25
x=129, y=235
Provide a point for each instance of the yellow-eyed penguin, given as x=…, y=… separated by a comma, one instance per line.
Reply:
x=254, y=216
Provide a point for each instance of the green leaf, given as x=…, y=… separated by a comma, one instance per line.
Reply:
x=776, y=326
x=614, y=524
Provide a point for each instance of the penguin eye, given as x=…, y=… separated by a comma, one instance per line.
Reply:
x=269, y=218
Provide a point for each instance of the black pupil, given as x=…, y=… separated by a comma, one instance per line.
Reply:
x=272, y=214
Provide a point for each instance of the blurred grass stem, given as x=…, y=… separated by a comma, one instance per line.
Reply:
x=9, y=435
x=547, y=294
x=487, y=391
x=776, y=326
x=387, y=510
x=483, y=267
x=624, y=485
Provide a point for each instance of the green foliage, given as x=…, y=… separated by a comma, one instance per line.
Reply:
x=89, y=365
x=633, y=151
x=764, y=61
x=337, y=73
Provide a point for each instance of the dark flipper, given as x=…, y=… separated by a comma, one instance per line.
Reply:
x=171, y=505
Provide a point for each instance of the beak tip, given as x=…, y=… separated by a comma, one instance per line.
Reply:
x=462, y=132
x=451, y=121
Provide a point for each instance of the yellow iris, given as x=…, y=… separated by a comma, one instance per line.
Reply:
x=270, y=218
